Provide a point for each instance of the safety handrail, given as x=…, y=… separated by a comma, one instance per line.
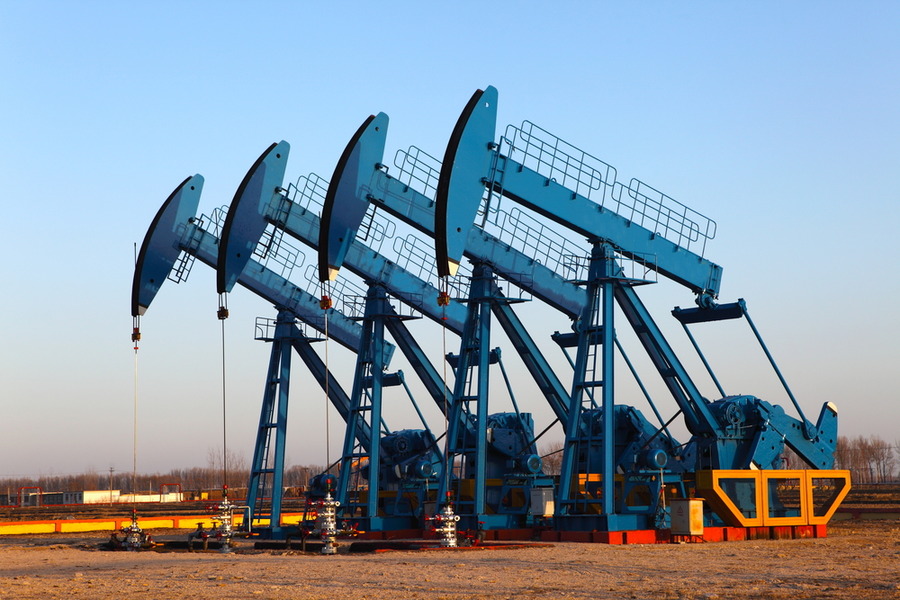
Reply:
x=596, y=180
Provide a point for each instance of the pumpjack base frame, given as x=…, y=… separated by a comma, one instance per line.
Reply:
x=709, y=535
x=640, y=536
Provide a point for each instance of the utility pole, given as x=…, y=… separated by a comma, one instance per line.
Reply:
x=110, y=484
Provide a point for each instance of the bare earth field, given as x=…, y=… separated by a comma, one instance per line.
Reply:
x=859, y=559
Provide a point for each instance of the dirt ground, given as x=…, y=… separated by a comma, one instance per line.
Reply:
x=857, y=560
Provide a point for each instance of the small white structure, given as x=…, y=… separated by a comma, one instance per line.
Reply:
x=169, y=497
x=687, y=516
x=91, y=497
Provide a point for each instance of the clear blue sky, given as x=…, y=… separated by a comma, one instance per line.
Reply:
x=778, y=120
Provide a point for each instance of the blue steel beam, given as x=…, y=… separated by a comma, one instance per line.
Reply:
x=356, y=182
x=458, y=192
x=343, y=211
x=417, y=210
x=697, y=415
x=344, y=208
x=575, y=212
x=472, y=386
x=534, y=360
x=258, y=201
x=424, y=368
x=267, y=465
x=471, y=148
x=339, y=398
x=303, y=225
x=245, y=224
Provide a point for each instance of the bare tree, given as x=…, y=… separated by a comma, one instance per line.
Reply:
x=861, y=459
x=869, y=458
x=882, y=459
x=842, y=453
x=897, y=454
x=234, y=468
x=552, y=455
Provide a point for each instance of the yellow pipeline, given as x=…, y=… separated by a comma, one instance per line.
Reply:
x=85, y=525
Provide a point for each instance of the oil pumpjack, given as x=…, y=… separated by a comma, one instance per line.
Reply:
x=619, y=472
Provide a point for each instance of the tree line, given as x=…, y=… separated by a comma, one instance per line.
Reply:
x=869, y=459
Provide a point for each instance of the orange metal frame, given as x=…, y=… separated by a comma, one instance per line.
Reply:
x=709, y=486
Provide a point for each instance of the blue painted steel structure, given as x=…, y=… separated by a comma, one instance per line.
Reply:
x=616, y=465
x=244, y=227
x=416, y=209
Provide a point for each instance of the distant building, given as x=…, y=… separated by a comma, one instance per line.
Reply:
x=90, y=497
x=170, y=497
